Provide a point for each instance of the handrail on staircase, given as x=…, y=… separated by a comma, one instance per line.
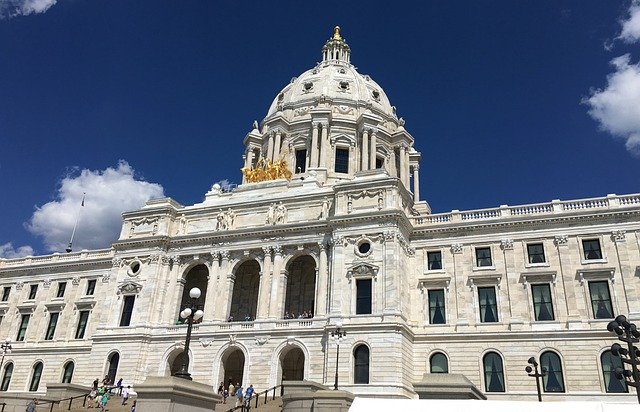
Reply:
x=246, y=404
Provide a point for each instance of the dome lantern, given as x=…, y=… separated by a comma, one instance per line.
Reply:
x=336, y=48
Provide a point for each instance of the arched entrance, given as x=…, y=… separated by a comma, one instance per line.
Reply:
x=233, y=367
x=197, y=277
x=244, y=303
x=301, y=288
x=174, y=362
x=112, y=367
x=292, y=364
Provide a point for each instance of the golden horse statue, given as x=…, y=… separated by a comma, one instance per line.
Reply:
x=265, y=170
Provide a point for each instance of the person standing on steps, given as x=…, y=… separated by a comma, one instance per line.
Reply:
x=239, y=395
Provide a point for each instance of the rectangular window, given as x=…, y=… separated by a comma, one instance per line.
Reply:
x=23, y=327
x=379, y=163
x=91, y=286
x=591, y=249
x=5, y=293
x=536, y=253
x=437, y=313
x=62, y=286
x=363, y=296
x=342, y=161
x=127, y=310
x=33, y=290
x=542, y=305
x=600, y=300
x=483, y=257
x=82, y=324
x=51, y=329
x=301, y=160
x=434, y=260
x=488, y=304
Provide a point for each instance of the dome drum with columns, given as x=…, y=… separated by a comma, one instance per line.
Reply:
x=335, y=122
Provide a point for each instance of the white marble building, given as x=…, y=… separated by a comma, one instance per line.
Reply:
x=346, y=239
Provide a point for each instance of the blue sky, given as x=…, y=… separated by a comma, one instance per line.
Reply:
x=127, y=100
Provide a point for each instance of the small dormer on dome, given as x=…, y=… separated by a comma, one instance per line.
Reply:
x=336, y=49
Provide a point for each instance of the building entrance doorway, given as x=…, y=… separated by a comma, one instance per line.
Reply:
x=233, y=367
x=292, y=364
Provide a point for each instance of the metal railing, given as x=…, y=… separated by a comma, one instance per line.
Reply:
x=255, y=398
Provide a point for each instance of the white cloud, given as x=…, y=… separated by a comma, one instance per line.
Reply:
x=617, y=106
x=8, y=252
x=631, y=26
x=12, y=8
x=109, y=192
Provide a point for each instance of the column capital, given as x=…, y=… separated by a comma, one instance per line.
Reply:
x=225, y=254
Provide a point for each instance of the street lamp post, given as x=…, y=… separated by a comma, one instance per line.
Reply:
x=190, y=313
x=6, y=348
x=628, y=333
x=543, y=372
x=338, y=335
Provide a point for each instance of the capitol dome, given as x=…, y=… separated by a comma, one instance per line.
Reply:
x=335, y=80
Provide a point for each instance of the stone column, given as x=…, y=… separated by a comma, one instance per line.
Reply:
x=416, y=183
x=324, y=143
x=226, y=281
x=265, y=284
x=270, y=147
x=276, y=147
x=275, y=284
x=364, y=165
x=249, y=162
x=392, y=163
x=372, y=158
x=353, y=163
x=407, y=176
x=314, y=145
x=322, y=282
x=212, y=290
x=403, y=159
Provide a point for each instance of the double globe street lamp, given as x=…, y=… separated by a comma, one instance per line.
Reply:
x=6, y=348
x=190, y=313
x=628, y=333
x=543, y=372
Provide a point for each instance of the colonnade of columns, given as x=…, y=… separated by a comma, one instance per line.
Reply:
x=272, y=287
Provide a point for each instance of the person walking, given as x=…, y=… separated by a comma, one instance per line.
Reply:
x=125, y=395
x=119, y=387
x=239, y=395
x=248, y=394
x=31, y=406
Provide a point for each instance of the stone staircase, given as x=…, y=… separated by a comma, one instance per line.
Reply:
x=113, y=405
x=274, y=405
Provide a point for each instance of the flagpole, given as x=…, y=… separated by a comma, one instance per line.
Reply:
x=75, y=226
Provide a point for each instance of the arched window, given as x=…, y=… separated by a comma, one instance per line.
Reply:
x=361, y=364
x=36, y=374
x=6, y=377
x=114, y=359
x=609, y=364
x=438, y=363
x=553, y=380
x=68, y=372
x=493, y=372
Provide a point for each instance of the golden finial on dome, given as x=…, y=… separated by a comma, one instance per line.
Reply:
x=336, y=33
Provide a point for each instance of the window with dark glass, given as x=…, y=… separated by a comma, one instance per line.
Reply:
x=493, y=372
x=438, y=363
x=609, y=364
x=488, y=304
x=542, y=305
x=24, y=322
x=434, y=260
x=51, y=329
x=553, y=380
x=483, y=257
x=342, y=160
x=536, y=253
x=361, y=364
x=33, y=290
x=68, y=372
x=437, y=313
x=91, y=286
x=5, y=293
x=363, y=296
x=591, y=249
x=36, y=374
x=61, y=288
x=82, y=324
x=127, y=310
x=301, y=160
x=379, y=163
x=600, y=300
x=6, y=377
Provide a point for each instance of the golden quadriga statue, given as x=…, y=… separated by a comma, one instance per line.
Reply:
x=267, y=170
